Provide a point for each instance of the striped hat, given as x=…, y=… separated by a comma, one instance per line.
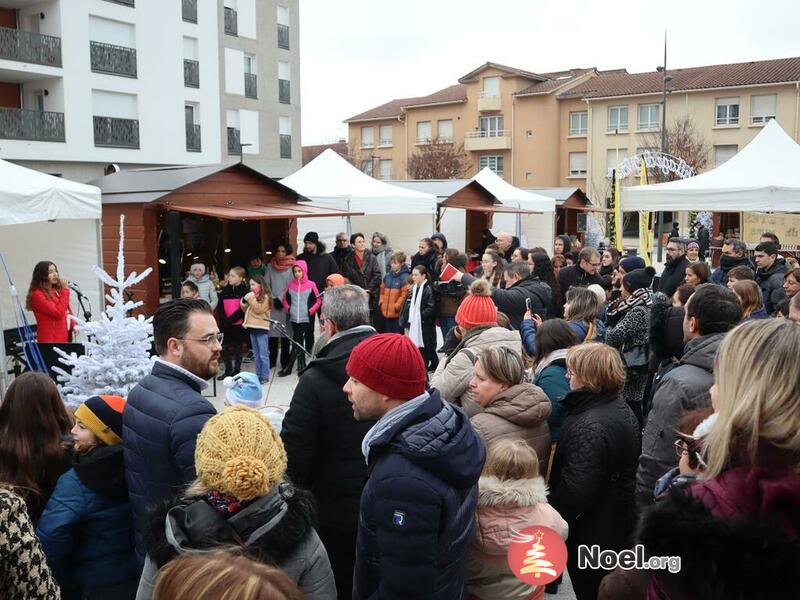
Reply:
x=102, y=415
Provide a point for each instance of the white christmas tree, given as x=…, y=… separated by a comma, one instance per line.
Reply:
x=118, y=346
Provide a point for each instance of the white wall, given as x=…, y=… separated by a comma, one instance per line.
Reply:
x=249, y=130
x=234, y=71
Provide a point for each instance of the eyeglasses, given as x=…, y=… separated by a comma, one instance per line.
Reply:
x=597, y=264
x=208, y=340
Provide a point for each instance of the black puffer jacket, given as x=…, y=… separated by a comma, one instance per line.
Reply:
x=511, y=300
x=771, y=283
x=574, y=276
x=367, y=276
x=592, y=481
x=323, y=440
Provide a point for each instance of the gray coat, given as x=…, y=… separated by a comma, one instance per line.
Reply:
x=684, y=388
x=278, y=281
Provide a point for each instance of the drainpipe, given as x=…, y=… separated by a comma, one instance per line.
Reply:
x=513, y=113
x=796, y=111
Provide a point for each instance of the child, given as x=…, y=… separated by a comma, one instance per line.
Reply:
x=245, y=389
x=302, y=300
x=231, y=318
x=257, y=305
x=419, y=316
x=394, y=290
x=511, y=497
x=86, y=528
x=205, y=286
x=189, y=289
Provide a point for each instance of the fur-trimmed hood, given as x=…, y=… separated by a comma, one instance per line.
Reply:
x=514, y=492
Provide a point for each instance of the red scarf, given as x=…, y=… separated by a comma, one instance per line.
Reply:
x=359, y=259
x=282, y=263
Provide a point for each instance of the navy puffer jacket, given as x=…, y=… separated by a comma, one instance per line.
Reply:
x=164, y=414
x=418, y=506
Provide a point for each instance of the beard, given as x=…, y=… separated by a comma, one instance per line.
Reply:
x=203, y=367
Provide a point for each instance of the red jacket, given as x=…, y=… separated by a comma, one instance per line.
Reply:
x=51, y=312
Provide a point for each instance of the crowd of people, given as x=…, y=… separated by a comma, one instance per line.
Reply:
x=575, y=389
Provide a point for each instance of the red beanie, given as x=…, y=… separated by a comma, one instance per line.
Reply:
x=390, y=364
x=477, y=308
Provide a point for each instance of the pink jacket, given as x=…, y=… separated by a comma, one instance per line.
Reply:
x=302, y=298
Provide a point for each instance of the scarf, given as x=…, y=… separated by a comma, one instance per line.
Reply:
x=391, y=418
x=415, y=316
x=550, y=359
x=281, y=264
x=640, y=297
x=224, y=504
x=359, y=259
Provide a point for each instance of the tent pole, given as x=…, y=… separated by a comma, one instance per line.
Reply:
x=175, y=258
x=3, y=359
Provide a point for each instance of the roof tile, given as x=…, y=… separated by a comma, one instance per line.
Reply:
x=453, y=93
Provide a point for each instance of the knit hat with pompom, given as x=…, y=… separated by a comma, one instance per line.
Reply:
x=240, y=453
x=477, y=308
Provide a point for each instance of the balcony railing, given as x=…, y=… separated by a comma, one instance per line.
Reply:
x=251, y=85
x=284, y=91
x=283, y=36
x=234, y=141
x=484, y=133
x=111, y=59
x=125, y=2
x=487, y=139
x=191, y=73
x=286, y=146
x=231, y=22
x=190, y=11
x=113, y=132
x=193, y=137
x=35, y=125
x=24, y=46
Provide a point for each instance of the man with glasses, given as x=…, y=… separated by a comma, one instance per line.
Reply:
x=342, y=249
x=583, y=274
x=165, y=411
x=675, y=269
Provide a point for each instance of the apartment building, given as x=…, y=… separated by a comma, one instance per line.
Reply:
x=507, y=119
x=136, y=83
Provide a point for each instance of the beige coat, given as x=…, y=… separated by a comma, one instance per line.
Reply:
x=505, y=508
x=256, y=313
x=452, y=376
x=518, y=413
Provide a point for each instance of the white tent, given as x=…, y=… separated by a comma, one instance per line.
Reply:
x=329, y=180
x=763, y=177
x=46, y=218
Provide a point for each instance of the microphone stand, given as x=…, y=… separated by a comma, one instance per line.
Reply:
x=295, y=344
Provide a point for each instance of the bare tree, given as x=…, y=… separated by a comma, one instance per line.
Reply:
x=683, y=140
x=439, y=160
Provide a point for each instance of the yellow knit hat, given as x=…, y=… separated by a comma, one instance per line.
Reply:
x=240, y=453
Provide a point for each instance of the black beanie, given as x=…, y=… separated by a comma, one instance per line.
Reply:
x=311, y=236
x=638, y=279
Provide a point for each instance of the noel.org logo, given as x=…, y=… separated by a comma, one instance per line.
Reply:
x=537, y=555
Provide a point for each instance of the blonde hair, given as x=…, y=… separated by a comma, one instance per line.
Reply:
x=240, y=271
x=749, y=295
x=759, y=390
x=223, y=576
x=511, y=459
x=598, y=366
x=503, y=365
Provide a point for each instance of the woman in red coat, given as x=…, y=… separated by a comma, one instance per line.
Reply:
x=48, y=299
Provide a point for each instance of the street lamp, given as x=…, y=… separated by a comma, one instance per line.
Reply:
x=664, y=91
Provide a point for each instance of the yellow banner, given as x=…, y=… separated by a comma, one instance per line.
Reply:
x=617, y=216
x=645, y=235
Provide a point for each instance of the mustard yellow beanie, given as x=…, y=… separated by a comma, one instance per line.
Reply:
x=240, y=453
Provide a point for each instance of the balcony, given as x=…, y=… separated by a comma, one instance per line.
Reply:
x=283, y=36
x=234, y=141
x=112, y=132
x=488, y=103
x=113, y=60
x=231, y=22
x=193, y=137
x=191, y=73
x=24, y=46
x=32, y=125
x=487, y=139
x=286, y=146
x=190, y=11
x=284, y=91
x=250, y=85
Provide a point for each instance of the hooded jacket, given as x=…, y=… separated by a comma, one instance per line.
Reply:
x=505, y=507
x=394, y=289
x=684, y=388
x=205, y=288
x=771, y=283
x=518, y=413
x=302, y=299
x=418, y=506
x=511, y=300
x=86, y=529
x=319, y=265
x=277, y=529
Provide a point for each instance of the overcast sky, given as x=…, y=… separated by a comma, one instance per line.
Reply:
x=356, y=54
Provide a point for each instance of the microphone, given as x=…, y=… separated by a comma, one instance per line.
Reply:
x=74, y=287
x=274, y=322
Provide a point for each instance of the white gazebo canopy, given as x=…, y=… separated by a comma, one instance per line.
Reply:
x=511, y=196
x=329, y=180
x=763, y=177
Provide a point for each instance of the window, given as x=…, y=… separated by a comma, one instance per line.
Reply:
x=366, y=166
x=285, y=131
x=613, y=158
x=617, y=118
x=284, y=83
x=444, y=129
x=724, y=153
x=649, y=116
x=386, y=169
x=577, y=164
x=727, y=111
x=762, y=108
x=495, y=163
x=385, y=135
x=367, y=137
x=283, y=27
x=423, y=132
x=491, y=126
x=491, y=87
x=578, y=123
